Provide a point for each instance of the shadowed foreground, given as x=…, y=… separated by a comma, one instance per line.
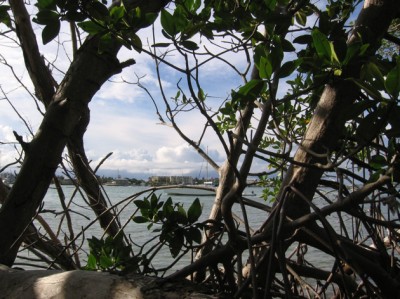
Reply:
x=40, y=284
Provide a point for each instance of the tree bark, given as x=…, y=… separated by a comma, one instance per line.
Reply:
x=338, y=97
x=87, y=178
x=39, y=73
x=326, y=126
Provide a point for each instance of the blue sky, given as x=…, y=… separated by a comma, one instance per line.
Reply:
x=123, y=117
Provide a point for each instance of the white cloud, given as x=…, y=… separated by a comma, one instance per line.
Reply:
x=119, y=91
x=180, y=160
x=181, y=154
x=8, y=152
x=6, y=134
x=134, y=160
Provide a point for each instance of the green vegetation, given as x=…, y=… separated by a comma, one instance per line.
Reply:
x=318, y=106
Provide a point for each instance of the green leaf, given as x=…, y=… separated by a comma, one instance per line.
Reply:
x=117, y=12
x=259, y=52
x=106, y=42
x=139, y=219
x=180, y=19
x=168, y=22
x=166, y=35
x=287, y=69
x=168, y=208
x=194, y=211
x=176, y=244
x=377, y=162
x=149, y=19
x=358, y=108
x=136, y=42
x=196, y=5
x=49, y=4
x=189, y=45
x=303, y=39
x=4, y=16
x=105, y=262
x=301, y=18
x=333, y=57
x=270, y=4
x=352, y=50
x=181, y=216
x=338, y=72
x=251, y=89
x=287, y=46
x=265, y=68
x=363, y=49
x=95, y=244
x=161, y=45
x=153, y=201
x=195, y=234
x=321, y=44
x=370, y=90
x=50, y=31
x=46, y=17
x=275, y=54
x=192, y=5
x=372, y=73
x=392, y=82
x=394, y=120
x=91, y=27
x=368, y=128
x=91, y=263
x=98, y=11
x=75, y=16
x=142, y=204
x=374, y=176
x=201, y=95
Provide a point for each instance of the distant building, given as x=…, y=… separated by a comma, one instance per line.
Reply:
x=160, y=180
x=118, y=182
x=176, y=180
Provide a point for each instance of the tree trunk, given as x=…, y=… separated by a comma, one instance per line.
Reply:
x=45, y=89
x=326, y=126
x=43, y=154
x=338, y=97
x=87, y=178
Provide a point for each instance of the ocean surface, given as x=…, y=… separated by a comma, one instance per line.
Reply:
x=82, y=216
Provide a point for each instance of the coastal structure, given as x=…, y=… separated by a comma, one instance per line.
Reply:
x=118, y=182
x=160, y=180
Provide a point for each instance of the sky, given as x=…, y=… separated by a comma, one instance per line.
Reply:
x=123, y=116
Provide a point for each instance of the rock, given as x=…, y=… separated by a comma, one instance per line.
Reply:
x=46, y=284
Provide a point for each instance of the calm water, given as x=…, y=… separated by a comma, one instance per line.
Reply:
x=139, y=233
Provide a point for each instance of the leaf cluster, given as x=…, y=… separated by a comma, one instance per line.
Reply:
x=184, y=23
x=177, y=227
x=110, y=254
x=4, y=15
x=117, y=23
